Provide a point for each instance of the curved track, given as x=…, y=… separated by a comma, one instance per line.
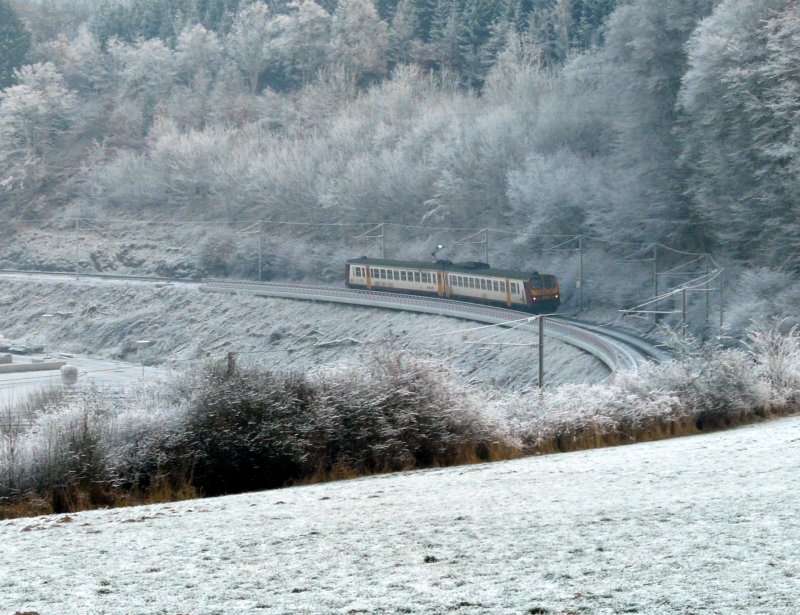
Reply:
x=615, y=348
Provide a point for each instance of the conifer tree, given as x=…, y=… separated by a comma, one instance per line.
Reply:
x=14, y=43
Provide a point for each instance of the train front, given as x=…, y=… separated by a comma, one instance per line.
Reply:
x=543, y=293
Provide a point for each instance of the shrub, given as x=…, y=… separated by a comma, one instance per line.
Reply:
x=249, y=428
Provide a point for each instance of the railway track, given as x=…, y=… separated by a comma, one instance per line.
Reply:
x=615, y=348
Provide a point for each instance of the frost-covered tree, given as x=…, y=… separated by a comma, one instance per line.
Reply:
x=145, y=72
x=739, y=133
x=302, y=40
x=360, y=39
x=643, y=61
x=14, y=43
x=249, y=42
x=36, y=117
x=82, y=62
x=197, y=51
x=403, y=32
x=447, y=34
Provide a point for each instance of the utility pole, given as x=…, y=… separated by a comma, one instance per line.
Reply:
x=708, y=296
x=655, y=283
x=721, y=296
x=260, y=243
x=383, y=240
x=541, y=352
x=77, y=248
x=683, y=314
x=580, y=273
x=486, y=245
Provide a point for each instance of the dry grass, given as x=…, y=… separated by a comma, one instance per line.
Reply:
x=582, y=437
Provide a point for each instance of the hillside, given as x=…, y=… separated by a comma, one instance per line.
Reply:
x=646, y=121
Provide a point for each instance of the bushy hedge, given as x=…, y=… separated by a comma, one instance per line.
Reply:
x=250, y=428
x=231, y=429
x=704, y=387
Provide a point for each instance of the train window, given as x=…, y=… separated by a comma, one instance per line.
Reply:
x=403, y=276
x=514, y=287
x=417, y=276
x=550, y=281
x=483, y=284
x=472, y=282
x=536, y=282
x=502, y=287
x=495, y=286
x=383, y=274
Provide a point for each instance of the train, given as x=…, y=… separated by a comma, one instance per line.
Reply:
x=471, y=281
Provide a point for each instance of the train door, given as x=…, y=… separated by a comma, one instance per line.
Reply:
x=526, y=291
x=441, y=284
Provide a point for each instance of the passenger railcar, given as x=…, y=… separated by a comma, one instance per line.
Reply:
x=472, y=281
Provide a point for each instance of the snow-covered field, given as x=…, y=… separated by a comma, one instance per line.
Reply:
x=695, y=525
x=105, y=318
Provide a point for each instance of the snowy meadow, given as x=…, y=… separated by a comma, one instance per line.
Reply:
x=687, y=525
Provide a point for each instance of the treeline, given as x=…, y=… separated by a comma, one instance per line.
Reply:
x=462, y=35
x=657, y=120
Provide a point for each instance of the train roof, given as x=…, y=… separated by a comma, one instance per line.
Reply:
x=472, y=268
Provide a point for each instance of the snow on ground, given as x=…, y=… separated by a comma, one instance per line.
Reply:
x=105, y=318
x=706, y=524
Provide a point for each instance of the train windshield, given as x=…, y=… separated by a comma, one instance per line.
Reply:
x=541, y=282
